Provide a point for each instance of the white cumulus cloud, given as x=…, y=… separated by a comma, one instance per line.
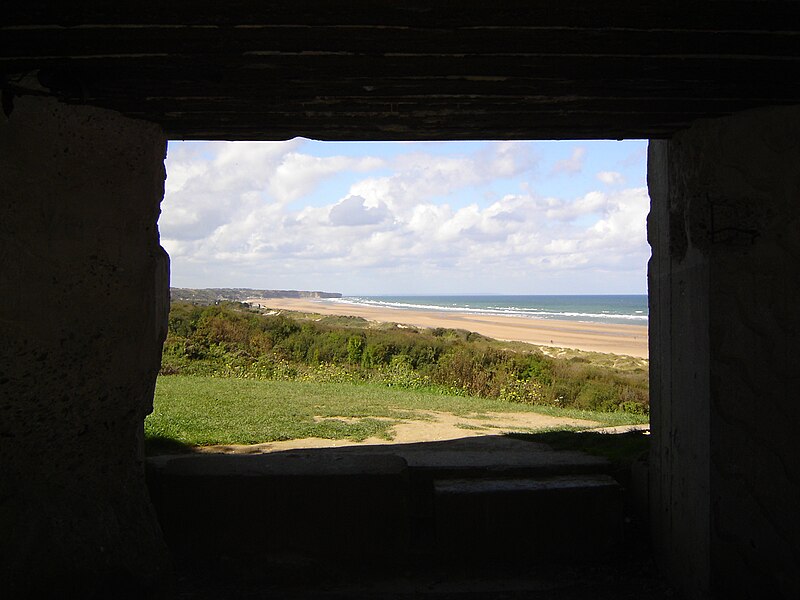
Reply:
x=573, y=164
x=353, y=211
x=408, y=229
x=611, y=177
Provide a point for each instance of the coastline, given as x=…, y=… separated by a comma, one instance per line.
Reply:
x=630, y=340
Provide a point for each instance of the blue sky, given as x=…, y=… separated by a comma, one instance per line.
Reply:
x=392, y=218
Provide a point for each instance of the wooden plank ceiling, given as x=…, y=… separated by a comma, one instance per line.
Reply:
x=410, y=69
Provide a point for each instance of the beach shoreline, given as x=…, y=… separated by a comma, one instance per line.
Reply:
x=629, y=340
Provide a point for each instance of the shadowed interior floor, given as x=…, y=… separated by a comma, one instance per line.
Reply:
x=471, y=518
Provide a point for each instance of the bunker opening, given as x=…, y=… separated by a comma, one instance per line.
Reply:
x=89, y=98
x=312, y=340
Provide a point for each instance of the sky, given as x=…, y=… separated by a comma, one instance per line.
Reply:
x=413, y=218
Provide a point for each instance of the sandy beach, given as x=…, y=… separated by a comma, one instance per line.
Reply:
x=630, y=340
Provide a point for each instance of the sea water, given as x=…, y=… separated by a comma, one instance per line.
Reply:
x=619, y=309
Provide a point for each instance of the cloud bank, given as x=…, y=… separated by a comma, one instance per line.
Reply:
x=415, y=221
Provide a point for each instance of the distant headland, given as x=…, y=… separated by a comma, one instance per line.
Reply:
x=212, y=295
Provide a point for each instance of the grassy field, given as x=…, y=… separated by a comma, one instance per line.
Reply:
x=198, y=410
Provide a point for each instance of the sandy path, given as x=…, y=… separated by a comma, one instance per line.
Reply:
x=629, y=340
x=434, y=426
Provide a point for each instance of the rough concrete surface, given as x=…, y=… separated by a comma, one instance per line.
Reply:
x=724, y=362
x=411, y=69
x=566, y=517
x=360, y=500
x=309, y=503
x=83, y=281
x=84, y=288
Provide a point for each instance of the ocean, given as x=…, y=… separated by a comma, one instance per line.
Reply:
x=619, y=309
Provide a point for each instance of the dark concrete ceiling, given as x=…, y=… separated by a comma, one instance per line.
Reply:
x=407, y=69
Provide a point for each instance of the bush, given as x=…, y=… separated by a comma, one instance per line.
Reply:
x=355, y=349
x=229, y=340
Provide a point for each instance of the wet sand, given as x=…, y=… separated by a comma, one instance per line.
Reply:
x=630, y=340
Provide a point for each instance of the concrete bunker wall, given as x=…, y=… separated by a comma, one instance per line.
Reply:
x=725, y=371
x=84, y=288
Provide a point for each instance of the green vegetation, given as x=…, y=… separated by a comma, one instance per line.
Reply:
x=202, y=410
x=231, y=340
x=232, y=375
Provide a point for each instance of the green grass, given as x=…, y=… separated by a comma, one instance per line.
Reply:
x=621, y=449
x=197, y=411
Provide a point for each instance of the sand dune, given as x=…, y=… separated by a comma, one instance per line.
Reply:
x=630, y=340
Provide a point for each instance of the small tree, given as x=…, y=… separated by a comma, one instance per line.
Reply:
x=355, y=348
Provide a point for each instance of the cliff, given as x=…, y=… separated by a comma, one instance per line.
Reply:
x=211, y=295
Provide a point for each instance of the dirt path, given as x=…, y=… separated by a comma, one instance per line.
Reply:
x=432, y=426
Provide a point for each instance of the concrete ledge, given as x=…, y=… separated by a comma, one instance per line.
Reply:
x=550, y=518
x=325, y=505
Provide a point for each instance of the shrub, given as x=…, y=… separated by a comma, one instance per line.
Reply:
x=355, y=348
x=229, y=340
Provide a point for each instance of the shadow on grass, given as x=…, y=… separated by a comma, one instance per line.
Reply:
x=621, y=449
x=155, y=445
